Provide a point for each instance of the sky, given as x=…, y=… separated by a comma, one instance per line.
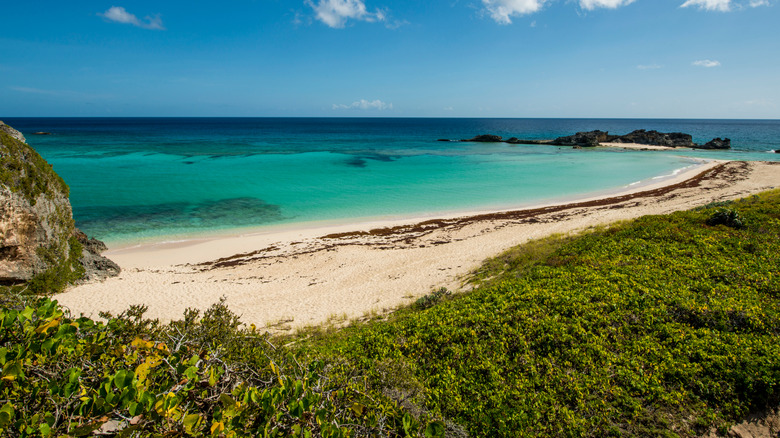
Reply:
x=391, y=58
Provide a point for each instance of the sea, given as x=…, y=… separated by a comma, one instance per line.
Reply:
x=137, y=180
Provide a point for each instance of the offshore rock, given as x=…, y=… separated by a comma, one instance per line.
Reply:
x=38, y=239
x=655, y=138
x=486, y=138
x=716, y=143
x=587, y=139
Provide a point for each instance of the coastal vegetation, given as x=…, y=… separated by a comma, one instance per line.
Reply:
x=662, y=326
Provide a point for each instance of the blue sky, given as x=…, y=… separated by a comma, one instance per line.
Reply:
x=390, y=58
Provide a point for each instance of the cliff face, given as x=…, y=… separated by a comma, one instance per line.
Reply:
x=39, y=243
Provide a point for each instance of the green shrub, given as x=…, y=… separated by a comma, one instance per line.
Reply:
x=728, y=217
x=431, y=299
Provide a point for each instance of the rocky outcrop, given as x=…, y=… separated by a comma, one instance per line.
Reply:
x=717, y=143
x=589, y=139
x=486, y=138
x=655, y=138
x=39, y=244
x=595, y=138
x=12, y=132
x=96, y=267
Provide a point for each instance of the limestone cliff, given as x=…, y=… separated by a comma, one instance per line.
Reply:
x=39, y=244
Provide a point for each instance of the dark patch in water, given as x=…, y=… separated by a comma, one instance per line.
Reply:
x=360, y=160
x=356, y=162
x=180, y=216
x=379, y=157
x=188, y=162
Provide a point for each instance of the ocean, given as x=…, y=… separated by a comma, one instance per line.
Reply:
x=134, y=180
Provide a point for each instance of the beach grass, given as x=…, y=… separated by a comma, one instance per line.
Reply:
x=661, y=326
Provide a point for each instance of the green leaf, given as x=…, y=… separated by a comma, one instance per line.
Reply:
x=6, y=415
x=192, y=423
x=12, y=370
x=123, y=378
x=134, y=408
x=435, y=430
x=44, y=429
x=227, y=401
x=27, y=313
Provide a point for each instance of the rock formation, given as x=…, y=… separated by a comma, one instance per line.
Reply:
x=594, y=138
x=655, y=138
x=39, y=244
x=486, y=138
x=591, y=138
x=717, y=143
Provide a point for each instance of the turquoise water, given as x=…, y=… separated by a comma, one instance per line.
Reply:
x=141, y=179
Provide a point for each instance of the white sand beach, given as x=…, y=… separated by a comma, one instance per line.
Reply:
x=298, y=277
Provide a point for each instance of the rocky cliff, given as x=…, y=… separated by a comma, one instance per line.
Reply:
x=39, y=244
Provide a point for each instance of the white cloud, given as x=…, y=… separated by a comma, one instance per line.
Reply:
x=725, y=5
x=706, y=63
x=611, y=4
x=120, y=15
x=648, y=66
x=710, y=5
x=335, y=13
x=502, y=10
x=364, y=104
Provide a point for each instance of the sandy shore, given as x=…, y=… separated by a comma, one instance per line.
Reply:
x=641, y=147
x=302, y=277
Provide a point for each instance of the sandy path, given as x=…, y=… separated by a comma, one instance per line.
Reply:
x=303, y=277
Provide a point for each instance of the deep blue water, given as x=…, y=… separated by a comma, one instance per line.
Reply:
x=155, y=178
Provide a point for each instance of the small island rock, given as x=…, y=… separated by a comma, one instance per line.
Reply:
x=486, y=138
x=588, y=139
x=717, y=143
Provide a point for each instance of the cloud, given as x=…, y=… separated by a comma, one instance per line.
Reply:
x=118, y=14
x=335, y=13
x=363, y=104
x=611, y=4
x=502, y=10
x=707, y=63
x=648, y=66
x=710, y=5
x=724, y=5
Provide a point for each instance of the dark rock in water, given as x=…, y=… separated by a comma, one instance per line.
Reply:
x=444, y=139
x=38, y=240
x=486, y=138
x=594, y=138
x=716, y=143
x=588, y=139
x=655, y=138
x=41, y=133
x=777, y=151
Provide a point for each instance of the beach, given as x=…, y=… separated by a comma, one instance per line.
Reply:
x=292, y=278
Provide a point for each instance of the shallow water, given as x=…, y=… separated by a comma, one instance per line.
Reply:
x=134, y=179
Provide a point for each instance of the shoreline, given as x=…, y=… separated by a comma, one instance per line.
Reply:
x=313, y=229
x=308, y=277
